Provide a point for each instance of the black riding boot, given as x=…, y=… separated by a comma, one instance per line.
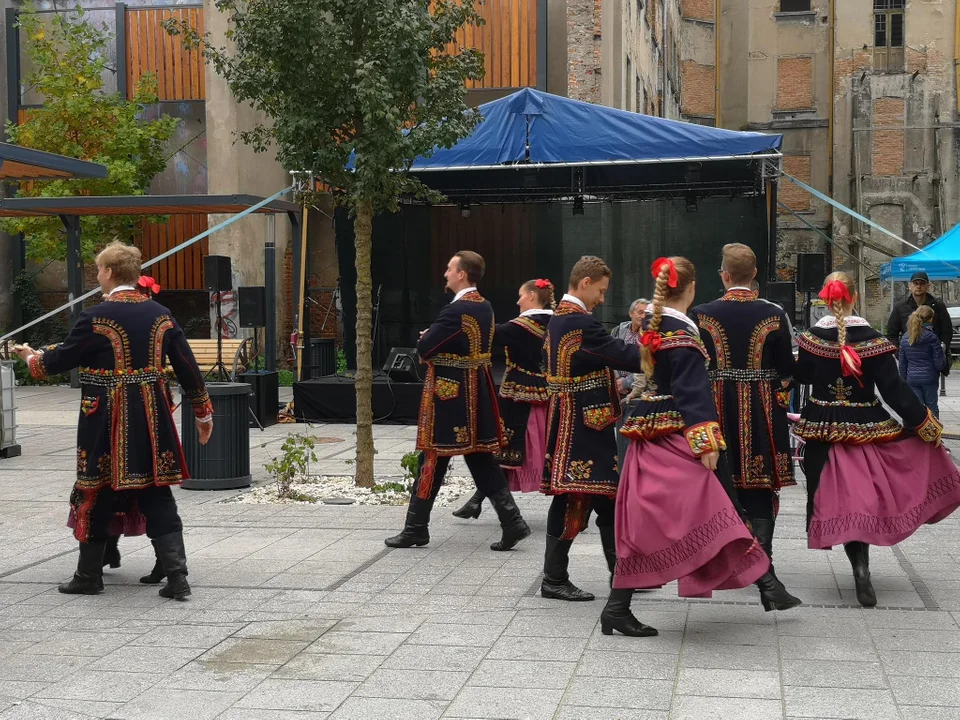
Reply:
x=88, y=579
x=514, y=527
x=617, y=616
x=859, y=554
x=556, y=580
x=111, y=552
x=773, y=595
x=472, y=509
x=415, y=530
x=173, y=556
x=157, y=574
x=609, y=542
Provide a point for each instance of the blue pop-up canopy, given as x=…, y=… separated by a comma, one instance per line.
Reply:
x=940, y=260
x=534, y=127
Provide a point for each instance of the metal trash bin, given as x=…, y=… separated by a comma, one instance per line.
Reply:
x=224, y=462
x=323, y=358
x=8, y=410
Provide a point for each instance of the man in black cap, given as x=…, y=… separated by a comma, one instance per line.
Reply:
x=942, y=326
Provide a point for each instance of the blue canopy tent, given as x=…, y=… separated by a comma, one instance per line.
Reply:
x=940, y=260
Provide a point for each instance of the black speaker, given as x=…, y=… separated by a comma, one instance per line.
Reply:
x=784, y=294
x=218, y=274
x=402, y=365
x=252, y=305
x=811, y=271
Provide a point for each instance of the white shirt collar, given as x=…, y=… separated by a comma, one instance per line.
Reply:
x=536, y=311
x=677, y=315
x=739, y=287
x=828, y=322
x=120, y=288
x=463, y=292
x=575, y=300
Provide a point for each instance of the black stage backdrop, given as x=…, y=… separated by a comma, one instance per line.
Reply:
x=520, y=242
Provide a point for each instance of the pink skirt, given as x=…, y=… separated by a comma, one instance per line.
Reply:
x=881, y=493
x=674, y=521
x=527, y=477
x=129, y=523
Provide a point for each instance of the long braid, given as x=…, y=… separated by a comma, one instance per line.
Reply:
x=659, y=297
x=837, y=308
x=552, y=302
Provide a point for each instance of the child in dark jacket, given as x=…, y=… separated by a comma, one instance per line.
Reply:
x=922, y=357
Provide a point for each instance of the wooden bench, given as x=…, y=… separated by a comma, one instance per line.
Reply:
x=205, y=351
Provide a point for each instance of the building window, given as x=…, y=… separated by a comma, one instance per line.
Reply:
x=794, y=5
x=888, y=35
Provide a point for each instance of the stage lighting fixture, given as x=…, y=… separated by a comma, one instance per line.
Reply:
x=578, y=205
x=691, y=201
x=464, y=210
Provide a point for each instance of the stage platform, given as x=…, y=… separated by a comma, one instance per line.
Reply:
x=334, y=399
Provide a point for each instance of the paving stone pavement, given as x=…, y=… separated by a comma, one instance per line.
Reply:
x=300, y=612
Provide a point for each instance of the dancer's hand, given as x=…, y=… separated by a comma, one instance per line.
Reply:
x=24, y=352
x=710, y=460
x=204, y=430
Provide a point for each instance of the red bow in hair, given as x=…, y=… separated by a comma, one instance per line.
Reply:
x=835, y=290
x=651, y=340
x=542, y=284
x=657, y=266
x=148, y=283
x=850, y=364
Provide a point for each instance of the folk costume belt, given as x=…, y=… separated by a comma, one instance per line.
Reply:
x=464, y=362
x=744, y=375
x=842, y=403
x=116, y=378
x=578, y=383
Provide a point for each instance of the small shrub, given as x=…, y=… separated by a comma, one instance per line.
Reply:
x=391, y=487
x=297, y=454
x=341, y=362
x=285, y=378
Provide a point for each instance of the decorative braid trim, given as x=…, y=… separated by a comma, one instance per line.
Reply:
x=852, y=433
x=705, y=437
x=930, y=429
x=682, y=550
x=654, y=425
x=38, y=370
x=830, y=349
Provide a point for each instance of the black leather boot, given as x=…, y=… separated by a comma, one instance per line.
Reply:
x=617, y=616
x=157, y=574
x=88, y=579
x=471, y=511
x=173, y=556
x=859, y=554
x=415, y=532
x=514, y=527
x=556, y=583
x=111, y=552
x=773, y=594
x=609, y=541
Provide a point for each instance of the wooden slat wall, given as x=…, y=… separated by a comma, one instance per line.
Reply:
x=508, y=41
x=184, y=270
x=179, y=71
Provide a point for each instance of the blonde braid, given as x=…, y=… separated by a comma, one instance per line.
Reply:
x=553, y=301
x=837, y=307
x=659, y=297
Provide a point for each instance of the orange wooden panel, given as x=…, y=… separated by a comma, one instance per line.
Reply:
x=183, y=270
x=150, y=48
x=515, y=42
x=508, y=40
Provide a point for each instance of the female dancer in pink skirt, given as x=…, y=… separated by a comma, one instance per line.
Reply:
x=523, y=392
x=869, y=480
x=674, y=519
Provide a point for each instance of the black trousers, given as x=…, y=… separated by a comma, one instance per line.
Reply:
x=487, y=474
x=156, y=503
x=758, y=503
x=815, y=456
x=570, y=513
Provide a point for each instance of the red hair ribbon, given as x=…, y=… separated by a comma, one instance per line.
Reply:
x=850, y=364
x=651, y=340
x=148, y=283
x=835, y=290
x=657, y=266
x=542, y=283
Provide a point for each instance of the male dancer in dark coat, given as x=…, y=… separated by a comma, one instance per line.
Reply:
x=458, y=408
x=582, y=471
x=751, y=361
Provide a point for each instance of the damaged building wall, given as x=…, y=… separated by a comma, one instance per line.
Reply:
x=895, y=144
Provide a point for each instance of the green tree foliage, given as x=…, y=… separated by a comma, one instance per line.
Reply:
x=379, y=81
x=68, y=57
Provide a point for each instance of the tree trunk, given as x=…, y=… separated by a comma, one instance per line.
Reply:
x=362, y=231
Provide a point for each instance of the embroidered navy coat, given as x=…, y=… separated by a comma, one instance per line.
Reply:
x=678, y=398
x=524, y=382
x=458, y=408
x=750, y=348
x=584, y=404
x=839, y=410
x=126, y=436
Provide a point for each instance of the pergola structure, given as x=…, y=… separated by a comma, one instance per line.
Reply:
x=18, y=164
x=71, y=209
